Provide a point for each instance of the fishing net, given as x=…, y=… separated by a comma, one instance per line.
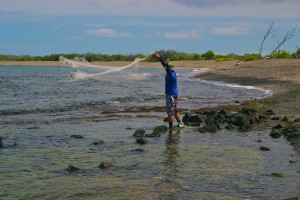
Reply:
x=128, y=71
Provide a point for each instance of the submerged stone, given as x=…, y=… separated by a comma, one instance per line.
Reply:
x=192, y=120
x=269, y=112
x=153, y=135
x=297, y=120
x=141, y=141
x=72, y=168
x=98, y=142
x=105, y=165
x=292, y=132
x=138, y=150
x=264, y=148
x=275, y=134
x=278, y=126
x=279, y=175
x=201, y=130
x=229, y=127
x=160, y=129
x=285, y=119
x=139, y=132
x=293, y=161
x=275, y=118
x=210, y=128
x=77, y=136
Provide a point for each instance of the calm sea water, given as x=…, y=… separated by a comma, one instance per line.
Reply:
x=41, y=107
x=48, y=93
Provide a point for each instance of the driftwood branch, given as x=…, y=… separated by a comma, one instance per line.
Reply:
x=269, y=31
x=287, y=36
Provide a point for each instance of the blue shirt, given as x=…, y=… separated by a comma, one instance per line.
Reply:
x=170, y=80
x=171, y=84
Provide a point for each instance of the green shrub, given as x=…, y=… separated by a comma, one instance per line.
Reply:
x=281, y=55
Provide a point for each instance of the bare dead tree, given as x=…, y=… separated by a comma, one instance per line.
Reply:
x=269, y=31
x=287, y=36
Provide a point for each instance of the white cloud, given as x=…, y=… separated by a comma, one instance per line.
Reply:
x=183, y=34
x=171, y=8
x=229, y=31
x=105, y=32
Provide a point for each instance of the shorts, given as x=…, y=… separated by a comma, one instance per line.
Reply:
x=171, y=105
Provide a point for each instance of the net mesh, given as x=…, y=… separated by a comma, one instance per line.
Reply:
x=129, y=71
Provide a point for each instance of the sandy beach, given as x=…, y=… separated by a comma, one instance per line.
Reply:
x=281, y=76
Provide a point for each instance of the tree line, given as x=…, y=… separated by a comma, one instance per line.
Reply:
x=172, y=54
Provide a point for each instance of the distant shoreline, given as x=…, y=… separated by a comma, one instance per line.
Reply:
x=190, y=64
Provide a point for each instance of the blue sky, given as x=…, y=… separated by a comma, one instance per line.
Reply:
x=43, y=27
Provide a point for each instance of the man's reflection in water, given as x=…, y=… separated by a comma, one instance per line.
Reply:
x=170, y=183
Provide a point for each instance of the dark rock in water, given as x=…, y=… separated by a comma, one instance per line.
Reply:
x=141, y=141
x=254, y=120
x=139, y=132
x=153, y=135
x=192, y=120
x=98, y=142
x=138, y=150
x=293, y=161
x=186, y=118
x=269, y=112
x=210, y=128
x=244, y=128
x=77, y=136
x=1, y=142
x=278, y=175
x=278, y=126
x=240, y=119
x=33, y=127
x=221, y=118
x=209, y=120
x=229, y=127
x=297, y=120
x=263, y=117
x=275, y=118
x=201, y=130
x=227, y=114
x=264, y=148
x=259, y=141
x=249, y=111
x=275, y=134
x=292, y=132
x=160, y=129
x=285, y=119
x=72, y=168
x=105, y=165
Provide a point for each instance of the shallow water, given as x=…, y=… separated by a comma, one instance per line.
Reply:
x=182, y=164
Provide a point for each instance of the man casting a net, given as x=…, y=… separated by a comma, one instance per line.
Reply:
x=171, y=91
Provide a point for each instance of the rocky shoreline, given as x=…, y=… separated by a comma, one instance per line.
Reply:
x=253, y=115
x=278, y=115
x=280, y=76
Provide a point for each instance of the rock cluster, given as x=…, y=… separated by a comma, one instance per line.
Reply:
x=288, y=128
x=213, y=121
